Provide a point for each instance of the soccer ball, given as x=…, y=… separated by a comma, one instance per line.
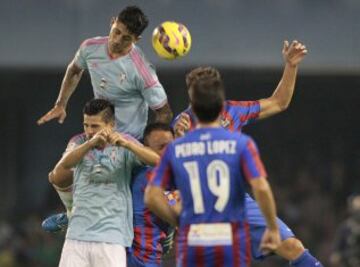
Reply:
x=171, y=40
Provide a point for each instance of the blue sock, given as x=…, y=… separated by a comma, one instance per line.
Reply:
x=306, y=260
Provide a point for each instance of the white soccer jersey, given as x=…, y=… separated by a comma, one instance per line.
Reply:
x=130, y=83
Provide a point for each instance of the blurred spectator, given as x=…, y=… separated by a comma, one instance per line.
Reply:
x=347, y=240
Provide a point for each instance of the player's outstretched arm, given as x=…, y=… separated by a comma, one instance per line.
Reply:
x=71, y=80
x=144, y=154
x=164, y=114
x=279, y=101
x=264, y=197
x=155, y=201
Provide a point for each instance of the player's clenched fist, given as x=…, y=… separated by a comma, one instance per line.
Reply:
x=294, y=53
x=100, y=138
x=182, y=125
x=117, y=139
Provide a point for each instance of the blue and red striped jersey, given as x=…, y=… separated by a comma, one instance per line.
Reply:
x=149, y=230
x=209, y=166
x=234, y=116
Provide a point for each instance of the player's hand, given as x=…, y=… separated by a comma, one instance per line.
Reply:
x=117, y=139
x=294, y=53
x=100, y=139
x=182, y=125
x=58, y=111
x=270, y=241
x=177, y=207
x=176, y=203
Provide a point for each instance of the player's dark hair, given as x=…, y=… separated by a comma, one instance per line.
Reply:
x=208, y=94
x=134, y=19
x=97, y=106
x=197, y=73
x=156, y=126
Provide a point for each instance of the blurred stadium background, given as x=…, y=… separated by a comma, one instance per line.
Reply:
x=311, y=151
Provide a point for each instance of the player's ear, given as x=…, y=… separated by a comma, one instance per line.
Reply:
x=190, y=93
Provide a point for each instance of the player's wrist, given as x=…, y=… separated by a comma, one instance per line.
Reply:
x=61, y=104
x=126, y=144
x=91, y=143
x=289, y=64
x=273, y=228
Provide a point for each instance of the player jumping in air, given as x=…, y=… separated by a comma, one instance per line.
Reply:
x=119, y=73
x=237, y=114
x=209, y=166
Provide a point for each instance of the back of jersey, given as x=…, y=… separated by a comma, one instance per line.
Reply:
x=209, y=167
x=207, y=171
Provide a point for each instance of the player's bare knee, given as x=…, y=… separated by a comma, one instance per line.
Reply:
x=293, y=246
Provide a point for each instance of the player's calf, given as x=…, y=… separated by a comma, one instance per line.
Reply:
x=306, y=260
x=293, y=250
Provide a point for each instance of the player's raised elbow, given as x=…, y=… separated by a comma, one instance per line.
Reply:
x=55, y=177
x=283, y=105
x=61, y=177
x=279, y=104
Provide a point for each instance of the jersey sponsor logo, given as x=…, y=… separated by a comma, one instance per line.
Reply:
x=211, y=234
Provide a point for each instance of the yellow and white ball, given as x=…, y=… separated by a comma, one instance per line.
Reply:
x=171, y=40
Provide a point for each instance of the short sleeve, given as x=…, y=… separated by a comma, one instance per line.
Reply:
x=162, y=174
x=243, y=112
x=251, y=163
x=80, y=56
x=151, y=89
x=155, y=96
x=131, y=159
x=74, y=143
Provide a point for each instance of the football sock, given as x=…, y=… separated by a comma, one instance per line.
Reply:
x=66, y=196
x=306, y=260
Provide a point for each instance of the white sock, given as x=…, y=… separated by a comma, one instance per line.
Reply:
x=66, y=196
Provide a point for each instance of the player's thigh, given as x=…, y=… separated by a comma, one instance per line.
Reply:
x=133, y=261
x=109, y=255
x=75, y=254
